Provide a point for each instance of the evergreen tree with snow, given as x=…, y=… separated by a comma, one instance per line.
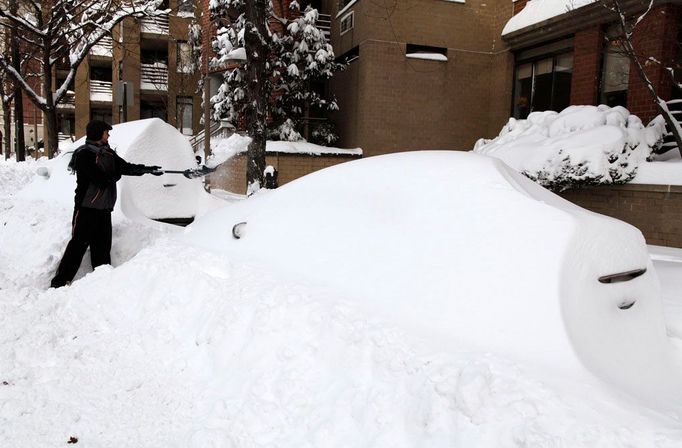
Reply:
x=272, y=60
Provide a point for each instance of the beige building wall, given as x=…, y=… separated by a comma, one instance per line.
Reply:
x=390, y=103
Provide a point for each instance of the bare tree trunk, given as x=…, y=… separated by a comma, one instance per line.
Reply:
x=256, y=114
x=20, y=151
x=7, y=129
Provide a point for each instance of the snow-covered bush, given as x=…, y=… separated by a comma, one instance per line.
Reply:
x=324, y=134
x=581, y=145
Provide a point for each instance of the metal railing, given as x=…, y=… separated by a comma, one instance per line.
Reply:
x=100, y=90
x=154, y=25
x=220, y=129
x=103, y=47
x=324, y=23
x=68, y=102
x=154, y=76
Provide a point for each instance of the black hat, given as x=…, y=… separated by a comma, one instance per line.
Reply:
x=95, y=129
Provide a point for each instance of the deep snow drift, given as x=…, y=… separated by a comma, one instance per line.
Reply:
x=178, y=346
x=581, y=144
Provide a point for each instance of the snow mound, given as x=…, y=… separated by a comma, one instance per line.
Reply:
x=417, y=239
x=581, y=145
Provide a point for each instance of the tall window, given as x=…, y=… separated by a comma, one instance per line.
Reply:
x=184, y=58
x=615, y=72
x=183, y=113
x=543, y=80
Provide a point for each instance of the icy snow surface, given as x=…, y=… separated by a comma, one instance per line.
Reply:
x=595, y=144
x=206, y=341
x=537, y=11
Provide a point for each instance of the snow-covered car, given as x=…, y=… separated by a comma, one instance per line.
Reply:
x=150, y=142
x=460, y=248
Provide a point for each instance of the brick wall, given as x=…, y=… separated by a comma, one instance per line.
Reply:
x=519, y=5
x=656, y=37
x=656, y=210
x=231, y=176
x=586, y=65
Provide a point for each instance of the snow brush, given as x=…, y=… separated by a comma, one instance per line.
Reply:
x=192, y=173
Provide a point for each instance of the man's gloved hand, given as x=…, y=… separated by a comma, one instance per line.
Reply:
x=155, y=170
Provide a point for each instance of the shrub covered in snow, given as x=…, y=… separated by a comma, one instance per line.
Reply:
x=582, y=145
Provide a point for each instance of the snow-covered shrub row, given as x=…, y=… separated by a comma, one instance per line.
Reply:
x=581, y=145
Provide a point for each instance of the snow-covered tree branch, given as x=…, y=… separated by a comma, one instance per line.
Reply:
x=272, y=58
x=628, y=22
x=62, y=30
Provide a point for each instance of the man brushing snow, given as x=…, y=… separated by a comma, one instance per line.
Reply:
x=97, y=168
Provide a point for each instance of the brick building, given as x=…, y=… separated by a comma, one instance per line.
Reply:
x=573, y=58
x=423, y=74
x=150, y=59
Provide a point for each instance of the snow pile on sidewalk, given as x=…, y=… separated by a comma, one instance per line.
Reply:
x=582, y=145
x=354, y=311
x=537, y=11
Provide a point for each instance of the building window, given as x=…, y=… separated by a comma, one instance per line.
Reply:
x=349, y=56
x=615, y=72
x=183, y=113
x=186, y=8
x=346, y=23
x=426, y=52
x=184, y=58
x=543, y=82
x=104, y=115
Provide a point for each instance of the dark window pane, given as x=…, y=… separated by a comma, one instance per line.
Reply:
x=523, y=90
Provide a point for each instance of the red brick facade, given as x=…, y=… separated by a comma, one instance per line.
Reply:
x=586, y=65
x=656, y=38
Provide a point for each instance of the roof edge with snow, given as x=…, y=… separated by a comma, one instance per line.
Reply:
x=567, y=23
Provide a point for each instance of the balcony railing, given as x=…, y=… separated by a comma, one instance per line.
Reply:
x=103, y=47
x=100, y=90
x=324, y=23
x=154, y=76
x=68, y=102
x=154, y=25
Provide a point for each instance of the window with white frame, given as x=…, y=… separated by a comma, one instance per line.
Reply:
x=346, y=23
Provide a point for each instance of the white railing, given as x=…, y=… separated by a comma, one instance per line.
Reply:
x=100, y=90
x=154, y=25
x=220, y=129
x=154, y=76
x=68, y=102
x=324, y=23
x=103, y=47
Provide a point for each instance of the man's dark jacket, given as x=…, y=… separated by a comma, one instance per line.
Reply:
x=98, y=168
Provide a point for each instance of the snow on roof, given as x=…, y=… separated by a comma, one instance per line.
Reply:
x=537, y=11
x=460, y=249
x=581, y=144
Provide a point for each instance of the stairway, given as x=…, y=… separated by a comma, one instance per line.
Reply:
x=675, y=107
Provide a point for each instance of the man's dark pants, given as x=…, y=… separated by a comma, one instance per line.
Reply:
x=91, y=228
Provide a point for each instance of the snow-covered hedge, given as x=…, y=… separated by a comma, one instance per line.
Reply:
x=581, y=145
